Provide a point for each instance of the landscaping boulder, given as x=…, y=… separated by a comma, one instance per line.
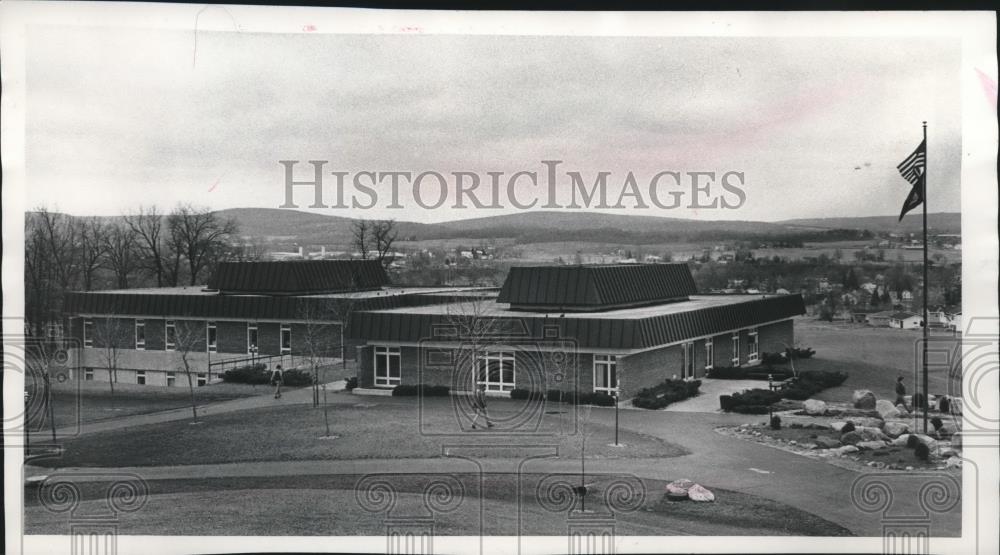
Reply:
x=956, y=440
x=952, y=462
x=947, y=430
x=814, y=407
x=901, y=440
x=826, y=442
x=870, y=433
x=846, y=450
x=886, y=409
x=928, y=441
x=870, y=445
x=679, y=487
x=851, y=438
x=902, y=410
x=698, y=493
x=863, y=399
x=956, y=405
x=895, y=428
x=837, y=426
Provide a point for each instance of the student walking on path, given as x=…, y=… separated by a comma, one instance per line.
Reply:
x=900, y=392
x=277, y=379
x=479, y=406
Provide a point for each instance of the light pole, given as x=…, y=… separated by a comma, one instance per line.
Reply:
x=616, y=417
x=326, y=412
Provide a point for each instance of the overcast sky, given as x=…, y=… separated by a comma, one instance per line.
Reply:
x=119, y=118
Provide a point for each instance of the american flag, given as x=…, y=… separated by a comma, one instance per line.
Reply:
x=912, y=169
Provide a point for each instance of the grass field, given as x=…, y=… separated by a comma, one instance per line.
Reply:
x=491, y=504
x=370, y=429
x=872, y=357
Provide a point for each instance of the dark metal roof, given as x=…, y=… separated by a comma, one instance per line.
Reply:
x=593, y=332
x=297, y=277
x=243, y=307
x=597, y=287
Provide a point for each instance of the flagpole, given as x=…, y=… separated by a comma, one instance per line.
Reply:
x=926, y=325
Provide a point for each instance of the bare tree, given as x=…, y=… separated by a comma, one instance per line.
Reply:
x=92, y=234
x=476, y=328
x=189, y=337
x=147, y=227
x=111, y=335
x=361, y=237
x=122, y=253
x=374, y=239
x=200, y=236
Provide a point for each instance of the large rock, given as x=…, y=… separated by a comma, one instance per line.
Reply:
x=956, y=440
x=837, y=426
x=679, y=487
x=956, y=405
x=698, y=493
x=895, y=428
x=901, y=440
x=827, y=442
x=814, y=407
x=886, y=409
x=871, y=433
x=851, y=438
x=952, y=462
x=864, y=399
x=847, y=449
x=870, y=445
x=928, y=441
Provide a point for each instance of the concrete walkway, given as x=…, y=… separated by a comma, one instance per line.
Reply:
x=707, y=399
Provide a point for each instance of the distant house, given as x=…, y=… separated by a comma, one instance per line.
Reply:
x=938, y=318
x=781, y=291
x=904, y=320
x=880, y=319
x=956, y=322
x=860, y=316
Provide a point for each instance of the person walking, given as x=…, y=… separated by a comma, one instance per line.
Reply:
x=479, y=406
x=900, y=392
x=277, y=380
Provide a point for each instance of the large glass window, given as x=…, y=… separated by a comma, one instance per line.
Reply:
x=171, y=379
x=387, y=366
x=140, y=334
x=736, y=349
x=286, y=338
x=606, y=374
x=88, y=333
x=687, y=362
x=251, y=339
x=752, y=346
x=709, y=354
x=211, y=337
x=140, y=377
x=171, y=335
x=496, y=371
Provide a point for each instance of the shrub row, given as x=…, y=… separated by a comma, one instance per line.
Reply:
x=661, y=395
x=749, y=373
x=756, y=401
x=421, y=389
x=258, y=374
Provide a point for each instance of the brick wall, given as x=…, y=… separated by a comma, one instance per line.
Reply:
x=269, y=339
x=648, y=368
x=232, y=337
x=774, y=337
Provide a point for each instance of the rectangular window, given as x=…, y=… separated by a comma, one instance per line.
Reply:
x=140, y=377
x=286, y=338
x=202, y=380
x=251, y=339
x=606, y=374
x=171, y=379
x=88, y=374
x=496, y=371
x=171, y=335
x=387, y=366
x=709, y=354
x=211, y=337
x=736, y=349
x=140, y=335
x=88, y=333
x=687, y=360
x=752, y=346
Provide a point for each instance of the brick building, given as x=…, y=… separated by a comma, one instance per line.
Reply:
x=286, y=311
x=608, y=328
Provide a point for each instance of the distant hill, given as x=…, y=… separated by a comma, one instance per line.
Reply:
x=574, y=221
x=939, y=222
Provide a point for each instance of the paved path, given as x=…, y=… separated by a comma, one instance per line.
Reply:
x=707, y=399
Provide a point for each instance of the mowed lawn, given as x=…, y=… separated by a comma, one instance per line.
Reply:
x=369, y=427
x=76, y=402
x=872, y=357
x=465, y=503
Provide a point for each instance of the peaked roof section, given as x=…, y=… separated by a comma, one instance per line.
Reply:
x=595, y=287
x=297, y=277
